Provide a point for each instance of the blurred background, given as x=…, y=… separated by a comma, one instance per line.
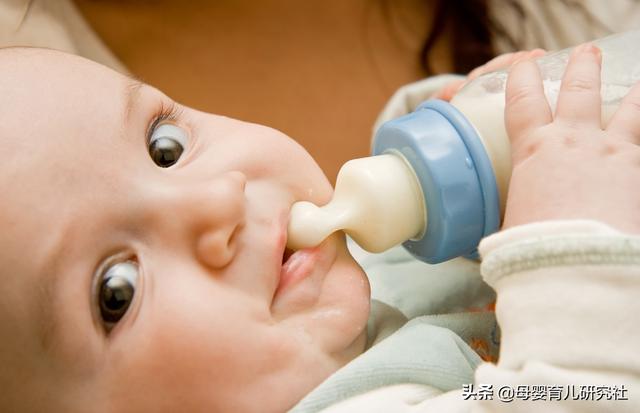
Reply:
x=318, y=70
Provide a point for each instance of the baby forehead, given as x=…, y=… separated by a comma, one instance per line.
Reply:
x=47, y=62
x=63, y=123
x=34, y=80
x=53, y=96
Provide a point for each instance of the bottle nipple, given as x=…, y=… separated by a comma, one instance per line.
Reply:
x=377, y=201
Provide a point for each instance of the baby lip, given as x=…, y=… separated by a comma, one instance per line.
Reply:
x=293, y=265
x=290, y=261
x=281, y=253
x=287, y=253
x=298, y=266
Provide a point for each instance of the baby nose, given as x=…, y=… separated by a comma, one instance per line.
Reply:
x=209, y=214
x=216, y=243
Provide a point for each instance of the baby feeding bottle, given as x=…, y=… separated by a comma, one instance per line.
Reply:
x=438, y=178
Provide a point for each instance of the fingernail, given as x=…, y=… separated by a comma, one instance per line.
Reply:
x=588, y=48
x=537, y=52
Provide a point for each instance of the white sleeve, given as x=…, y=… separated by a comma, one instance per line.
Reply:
x=568, y=294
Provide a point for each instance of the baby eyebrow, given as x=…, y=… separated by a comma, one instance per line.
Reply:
x=132, y=93
x=47, y=292
x=48, y=320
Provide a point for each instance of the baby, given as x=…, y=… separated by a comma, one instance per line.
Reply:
x=157, y=277
x=155, y=237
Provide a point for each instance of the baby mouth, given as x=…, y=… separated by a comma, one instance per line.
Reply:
x=297, y=265
x=288, y=252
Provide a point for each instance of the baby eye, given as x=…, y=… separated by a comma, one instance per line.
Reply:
x=116, y=289
x=166, y=144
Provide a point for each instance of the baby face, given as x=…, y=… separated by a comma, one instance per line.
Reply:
x=142, y=250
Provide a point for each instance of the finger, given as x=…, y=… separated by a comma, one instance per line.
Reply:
x=504, y=61
x=508, y=59
x=626, y=120
x=537, y=53
x=579, y=97
x=526, y=105
x=499, y=62
x=448, y=91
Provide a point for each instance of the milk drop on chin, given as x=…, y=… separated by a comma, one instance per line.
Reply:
x=438, y=177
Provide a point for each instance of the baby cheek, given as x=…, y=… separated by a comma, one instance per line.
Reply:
x=344, y=309
x=168, y=367
x=279, y=157
x=197, y=357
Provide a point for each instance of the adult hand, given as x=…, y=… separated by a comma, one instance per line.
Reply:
x=568, y=164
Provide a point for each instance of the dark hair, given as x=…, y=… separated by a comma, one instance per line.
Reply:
x=468, y=28
x=467, y=25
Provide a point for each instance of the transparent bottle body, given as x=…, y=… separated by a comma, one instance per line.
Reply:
x=482, y=101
